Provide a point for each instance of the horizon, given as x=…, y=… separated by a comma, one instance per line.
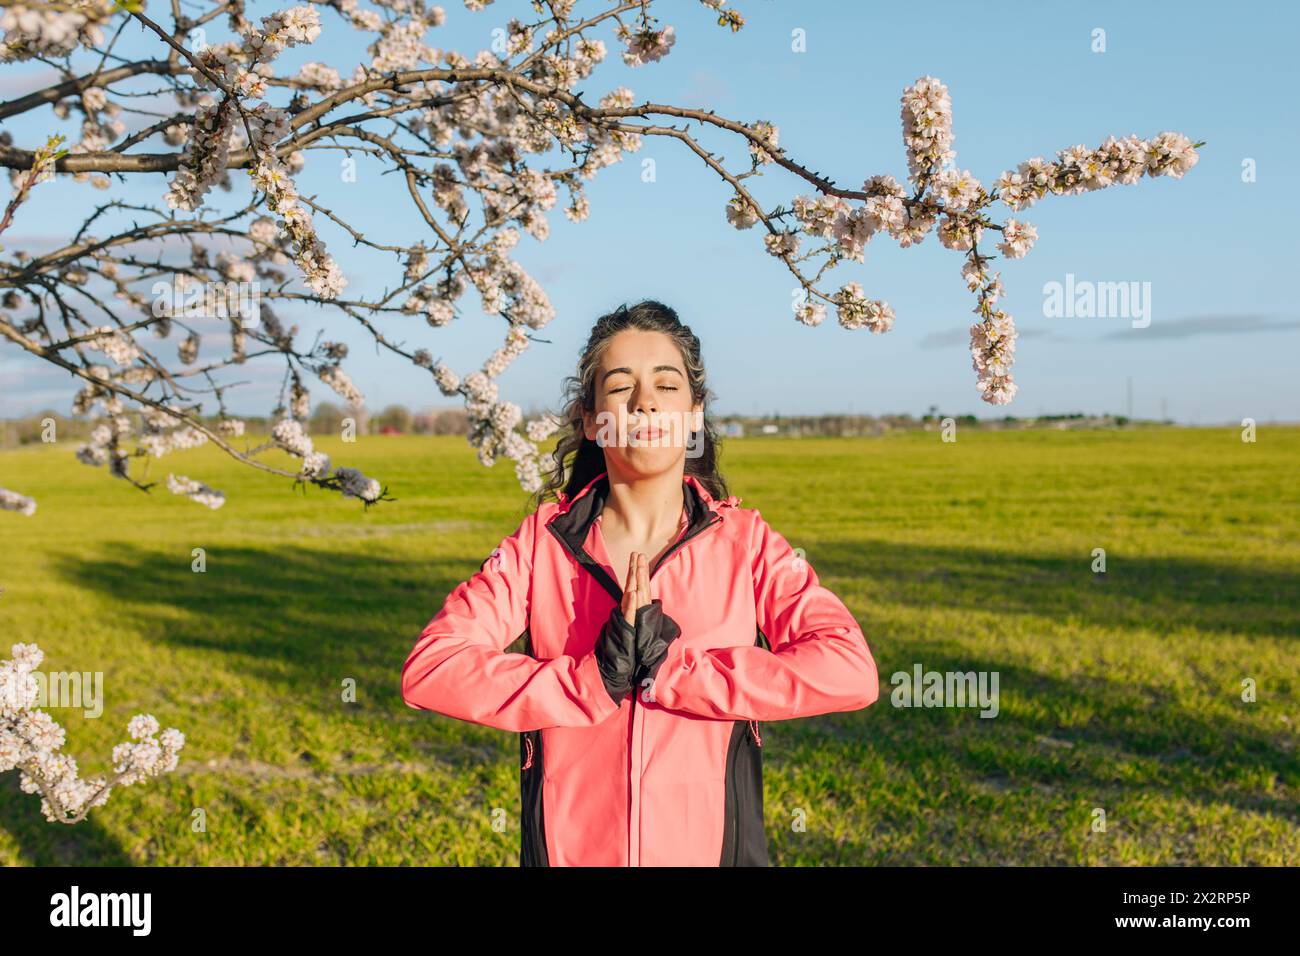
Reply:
x=374, y=412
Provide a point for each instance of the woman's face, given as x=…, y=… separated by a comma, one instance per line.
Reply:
x=643, y=415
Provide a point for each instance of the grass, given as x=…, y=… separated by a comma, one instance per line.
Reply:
x=1120, y=694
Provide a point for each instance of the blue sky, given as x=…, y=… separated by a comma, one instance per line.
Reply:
x=1218, y=252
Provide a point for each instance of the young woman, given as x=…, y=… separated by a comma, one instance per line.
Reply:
x=662, y=625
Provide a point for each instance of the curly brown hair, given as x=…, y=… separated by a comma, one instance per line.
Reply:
x=586, y=458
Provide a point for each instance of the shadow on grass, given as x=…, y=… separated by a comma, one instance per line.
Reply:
x=54, y=844
x=289, y=611
x=1159, y=594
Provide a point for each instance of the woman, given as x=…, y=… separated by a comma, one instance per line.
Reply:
x=639, y=707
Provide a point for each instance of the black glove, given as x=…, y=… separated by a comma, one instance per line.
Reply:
x=655, y=630
x=615, y=652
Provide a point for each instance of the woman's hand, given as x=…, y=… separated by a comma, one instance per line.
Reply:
x=651, y=639
x=636, y=589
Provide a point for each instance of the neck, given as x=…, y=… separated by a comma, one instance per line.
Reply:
x=646, y=507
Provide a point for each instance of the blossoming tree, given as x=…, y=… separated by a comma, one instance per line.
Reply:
x=481, y=148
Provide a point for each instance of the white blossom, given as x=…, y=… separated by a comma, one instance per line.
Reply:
x=13, y=501
x=927, y=127
x=540, y=429
x=781, y=243
x=645, y=46
x=855, y=311
x=769, y=135
x=195, y=491
x=341, y=382
x=357, y=485
x=447, y=380
x=810, y=313
x=1017, y=239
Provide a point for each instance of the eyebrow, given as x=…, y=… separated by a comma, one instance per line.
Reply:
x=624, y=368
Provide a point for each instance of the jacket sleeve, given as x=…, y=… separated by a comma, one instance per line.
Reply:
x=819, y=660
x=458, y=666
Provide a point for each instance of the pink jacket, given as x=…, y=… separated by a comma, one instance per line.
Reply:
x=671, y=775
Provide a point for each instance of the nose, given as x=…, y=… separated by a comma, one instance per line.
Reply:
x=644, y=400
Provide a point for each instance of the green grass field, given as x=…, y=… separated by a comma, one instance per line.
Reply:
x=1120, y=692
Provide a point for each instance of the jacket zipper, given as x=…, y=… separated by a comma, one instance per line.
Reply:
x=638, y=721
x=585, y=560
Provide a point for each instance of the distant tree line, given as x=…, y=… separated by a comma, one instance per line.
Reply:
x=328, y=419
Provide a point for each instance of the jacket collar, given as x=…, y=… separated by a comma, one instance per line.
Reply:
x=575, y=516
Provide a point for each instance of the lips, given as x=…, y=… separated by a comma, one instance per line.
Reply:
x=647, y=434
